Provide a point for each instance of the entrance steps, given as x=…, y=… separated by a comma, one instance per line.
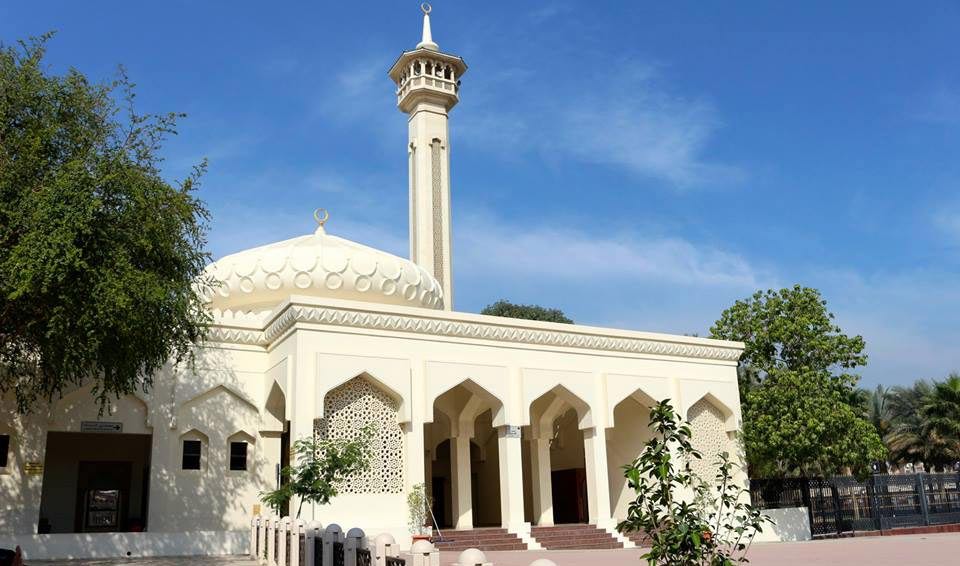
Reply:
x=640, y=539
x=578, y=536
x=484, y=539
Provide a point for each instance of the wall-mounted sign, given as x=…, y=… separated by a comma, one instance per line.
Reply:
x=33, y=468
x=512, y=432
x=100, y=426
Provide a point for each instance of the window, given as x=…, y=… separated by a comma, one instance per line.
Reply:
x=191, y=454
x=4, y=448
x=238, y=455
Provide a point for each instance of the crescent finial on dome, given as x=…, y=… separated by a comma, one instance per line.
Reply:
x=321, y=215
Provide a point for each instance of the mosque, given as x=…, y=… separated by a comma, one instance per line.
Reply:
x=518, y=429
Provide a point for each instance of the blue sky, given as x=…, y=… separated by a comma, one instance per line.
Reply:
x=638, y=164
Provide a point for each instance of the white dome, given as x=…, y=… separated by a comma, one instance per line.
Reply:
x=319, y=265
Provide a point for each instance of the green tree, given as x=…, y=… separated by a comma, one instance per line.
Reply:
x=99, y=255
x=802, y=412
x=714, y=527
x=528, y=312
x=799, y=423
x=321, y=466
x=790, y=329
x=941, y=413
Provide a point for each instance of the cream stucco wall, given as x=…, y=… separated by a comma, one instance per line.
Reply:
x=255, y=375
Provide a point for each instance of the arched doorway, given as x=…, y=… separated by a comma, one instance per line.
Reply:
x=556, y=459
x=626, y=437
x=463, y=458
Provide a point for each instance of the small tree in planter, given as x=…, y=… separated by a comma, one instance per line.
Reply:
x=321, y=465
x=689, y=522
x=418, y=509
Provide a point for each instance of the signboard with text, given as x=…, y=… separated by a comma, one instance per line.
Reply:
x=100, y=426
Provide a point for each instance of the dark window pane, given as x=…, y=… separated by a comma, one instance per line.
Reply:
x=191, y=454
x=238, y=455
x=4, y=448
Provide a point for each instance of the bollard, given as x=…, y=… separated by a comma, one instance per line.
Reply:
x=384, y=545
x=472, y=557
x=313, y=532
x=331, y=535
x=262, y=539
x=271, y=541
x=543, y=562
x=284, y=544
x=423, y=553
x=355, y=541
x=254, y=527
x=296, y=529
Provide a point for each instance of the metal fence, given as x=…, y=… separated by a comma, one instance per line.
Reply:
x=843, y=505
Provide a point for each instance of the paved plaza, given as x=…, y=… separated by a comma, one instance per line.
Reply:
x=929, y=550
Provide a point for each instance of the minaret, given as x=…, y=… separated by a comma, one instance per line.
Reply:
x=428, y=82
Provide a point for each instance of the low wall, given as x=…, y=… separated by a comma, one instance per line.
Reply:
x=118, y=545
x=792, y=524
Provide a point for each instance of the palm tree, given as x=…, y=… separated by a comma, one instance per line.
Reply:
x=878, y=410
x=907, y=441
x=941, y=414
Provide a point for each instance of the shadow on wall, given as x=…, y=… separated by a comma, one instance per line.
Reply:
x=190, y=511
x=215, y=407
x=790, y=524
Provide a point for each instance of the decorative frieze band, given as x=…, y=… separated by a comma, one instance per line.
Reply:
x=464, y=329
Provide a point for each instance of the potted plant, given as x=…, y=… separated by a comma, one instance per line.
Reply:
x=418, y=509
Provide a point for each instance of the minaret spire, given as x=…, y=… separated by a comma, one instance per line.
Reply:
x=428, y=86
x=427, y=41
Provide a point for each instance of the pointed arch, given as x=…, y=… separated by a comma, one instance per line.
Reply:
x=638, y=395
x=390, y=375
x=567, y=399
x=729, y=417
x=480, y=399
x=216, y=389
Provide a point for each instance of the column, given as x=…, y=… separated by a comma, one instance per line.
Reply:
x=541, y=481
x=598, y=486
x=511, y=477
x=416, y=472
x=460, y=469
x=302, y=409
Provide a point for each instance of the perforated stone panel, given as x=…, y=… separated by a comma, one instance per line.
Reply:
x=709, y=437
x=348, y=409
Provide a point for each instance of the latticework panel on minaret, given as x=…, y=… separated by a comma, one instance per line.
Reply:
x=709, y=430
x=350, y=408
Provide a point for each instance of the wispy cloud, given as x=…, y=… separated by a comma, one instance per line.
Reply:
x=566, y=254
x=622, y=117
x=947, y=219
x=941, y=106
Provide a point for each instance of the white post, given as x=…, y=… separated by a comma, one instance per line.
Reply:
x=295, y=531
x=313, y=532
x=422, y=553
x=511, y=477
x=332, y=534
x=262, y=539
x=254, y=526
x=472, y=557
x=282, y=541
x=462, y=496
x=354, y=542
x=384, y=545
x=598, y=482
x=271, y=541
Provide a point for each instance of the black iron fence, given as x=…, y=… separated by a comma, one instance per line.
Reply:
x=843, y=505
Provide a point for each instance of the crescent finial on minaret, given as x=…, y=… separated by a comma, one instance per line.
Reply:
x=427, y=40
